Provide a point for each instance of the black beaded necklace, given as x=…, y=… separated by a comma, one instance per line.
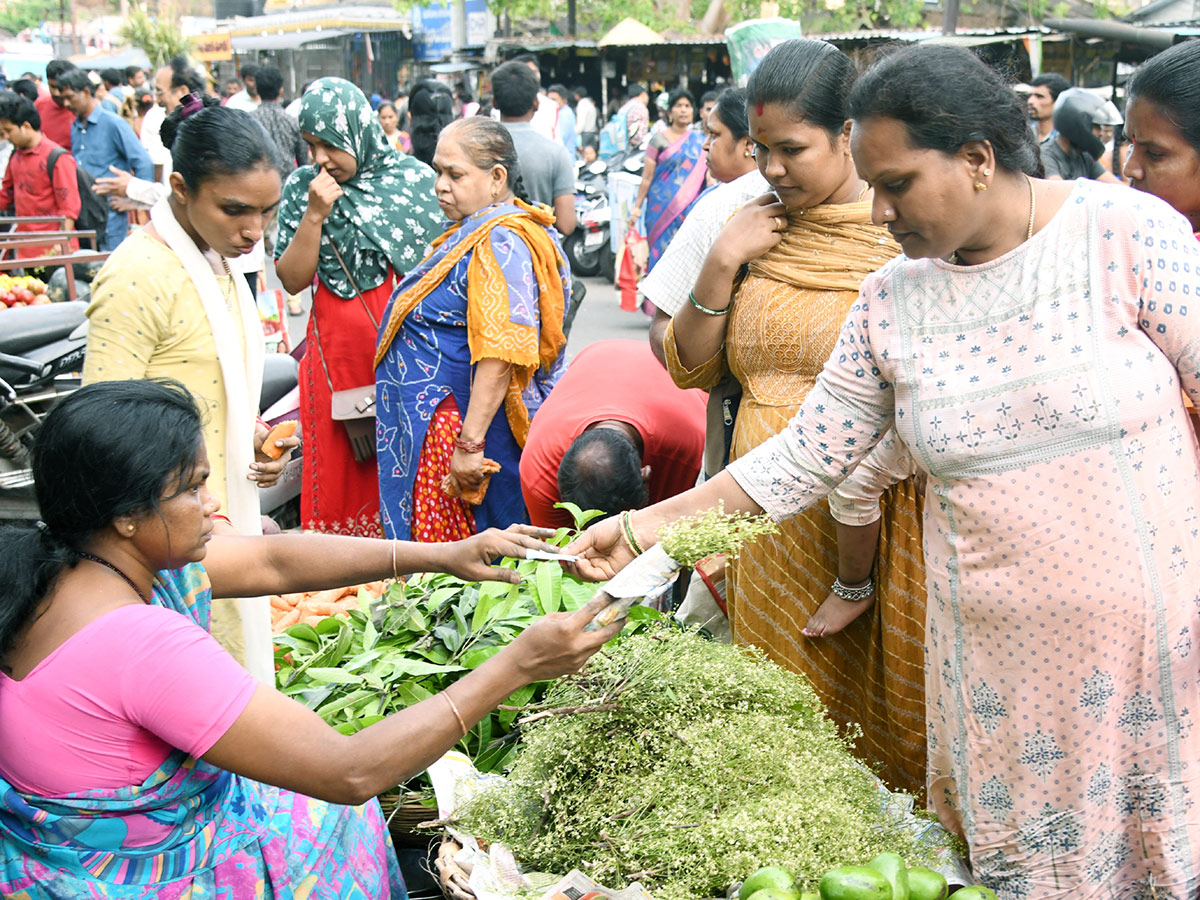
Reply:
x=129, y=581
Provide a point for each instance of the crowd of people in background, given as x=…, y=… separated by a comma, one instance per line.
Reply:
x=918, y=317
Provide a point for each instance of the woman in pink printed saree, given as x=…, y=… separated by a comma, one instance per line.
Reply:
x=139, y=760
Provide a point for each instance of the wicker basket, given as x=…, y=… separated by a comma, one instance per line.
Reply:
x=403, y=818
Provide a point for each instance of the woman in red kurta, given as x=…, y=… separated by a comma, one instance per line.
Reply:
x=356, y=220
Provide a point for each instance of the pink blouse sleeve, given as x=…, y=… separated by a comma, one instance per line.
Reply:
x=178, y=683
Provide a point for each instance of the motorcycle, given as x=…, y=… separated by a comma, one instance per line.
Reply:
x=41, y=356
x=41, y=360
x=583, y=247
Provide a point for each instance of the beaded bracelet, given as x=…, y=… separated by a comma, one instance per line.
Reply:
x=853, y=594
x=707, y=310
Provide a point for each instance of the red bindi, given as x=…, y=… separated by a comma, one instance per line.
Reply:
x=759, y=109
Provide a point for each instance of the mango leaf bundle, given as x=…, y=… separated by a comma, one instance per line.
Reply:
x=685, y=764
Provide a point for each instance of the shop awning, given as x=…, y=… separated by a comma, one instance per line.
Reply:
x=289, y=40
x=630, y=33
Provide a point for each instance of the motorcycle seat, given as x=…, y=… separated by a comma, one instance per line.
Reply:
x=32, y=327
x=280, y=375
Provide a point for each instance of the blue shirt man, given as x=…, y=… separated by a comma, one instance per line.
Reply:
x=564, y=128
x=100, y=140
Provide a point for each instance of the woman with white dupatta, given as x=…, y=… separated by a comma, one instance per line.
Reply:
x=166, y=304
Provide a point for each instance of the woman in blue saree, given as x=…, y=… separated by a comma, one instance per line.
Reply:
x=673, y=176
x=470, y=346
x=139, y=760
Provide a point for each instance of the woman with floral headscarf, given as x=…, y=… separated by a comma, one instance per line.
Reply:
x=351, y=225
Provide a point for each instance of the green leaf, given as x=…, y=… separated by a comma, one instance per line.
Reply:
x=347, y=727
x=354, y=663
x=370, y=635
x=463, y=630
x=581, y=516
x=368, y=721
x=364, y=600
x=519, y=698
x=645, y=614
x=549, y=586
x=576, y=594
x=330, y=624
x=344, y=702
x=450, y=636
x=323, y=675
x=436, y=654
x=418, y=667
x=477, y=656
x=417, y=621
x=440, y=596
x=305, y=632
x=411, y=694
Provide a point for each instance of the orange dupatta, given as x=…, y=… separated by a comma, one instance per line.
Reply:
x=490, y=333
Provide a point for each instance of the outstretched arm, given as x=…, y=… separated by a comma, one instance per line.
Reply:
x=278, y=741
x=242, y=566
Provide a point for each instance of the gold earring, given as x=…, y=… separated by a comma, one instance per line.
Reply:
x=980, y=186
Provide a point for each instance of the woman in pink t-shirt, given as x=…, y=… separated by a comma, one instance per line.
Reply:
x=138, y=758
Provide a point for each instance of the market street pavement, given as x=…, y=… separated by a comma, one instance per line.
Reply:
x=600, y=318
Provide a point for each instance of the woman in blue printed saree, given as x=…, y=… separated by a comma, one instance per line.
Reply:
x=139, y=759
x=673, y=176
x=470, y=346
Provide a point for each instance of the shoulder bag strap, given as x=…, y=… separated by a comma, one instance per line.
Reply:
x=366, y=309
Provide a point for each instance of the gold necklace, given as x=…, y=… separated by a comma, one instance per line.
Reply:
x=229, y=288
x=1028, y=230
x=1032, y=208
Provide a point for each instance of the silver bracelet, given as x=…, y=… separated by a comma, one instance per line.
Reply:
x=853, y=594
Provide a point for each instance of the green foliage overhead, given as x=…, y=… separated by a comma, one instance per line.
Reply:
x=595, y=17
x=17, y=15
x=158, y=39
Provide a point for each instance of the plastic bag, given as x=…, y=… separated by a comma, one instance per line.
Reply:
x=631, y=268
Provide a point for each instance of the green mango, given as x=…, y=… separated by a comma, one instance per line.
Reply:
x=810, y=895
x=974, y=892
x=855, y=883
x=767, y=877
x=775, y=894
x=891, y=866
x=926, y=884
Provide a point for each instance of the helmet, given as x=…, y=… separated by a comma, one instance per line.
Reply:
x=1076, y=111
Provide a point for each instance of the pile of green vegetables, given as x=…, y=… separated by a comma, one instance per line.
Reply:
x=886, y=877
x=425, y=634
x=684, y=764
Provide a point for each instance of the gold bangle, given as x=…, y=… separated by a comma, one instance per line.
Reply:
x=457, y=715
x=630, y=536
